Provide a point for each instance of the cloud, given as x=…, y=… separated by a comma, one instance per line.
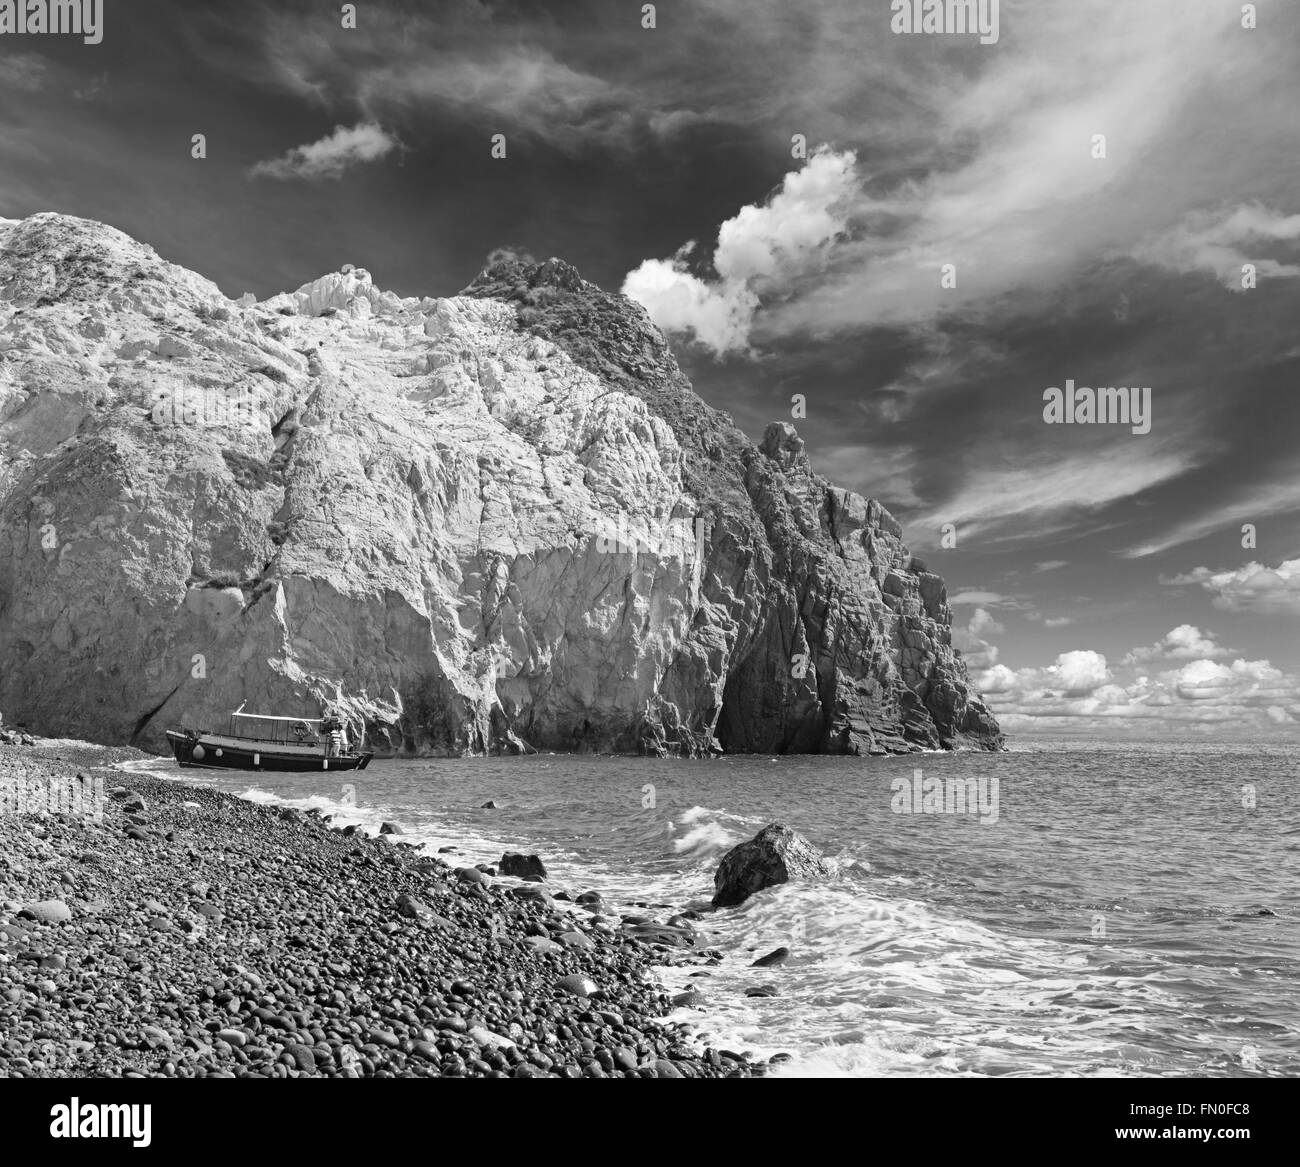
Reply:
x=1280, y=496
x=1012, y=195
x=1252, y=588
x=717, y=315
x=1058, y=621
x=1042, y=494
x=1186, y=642
x=332, y=155
x=977, y=596
x=93, y=87
x=1051, y=564
x=23, y=71
x=518, y=88
x=764, y=250
x=982, y=623
x=1220, y=242
x=970, y=641
x=1081, y=693
x=1078, y=672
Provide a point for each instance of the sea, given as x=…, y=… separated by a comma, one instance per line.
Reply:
x=1090, y=910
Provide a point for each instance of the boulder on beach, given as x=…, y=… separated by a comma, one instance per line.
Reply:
x=528, y=867
x=775, y=855
x=48, y=912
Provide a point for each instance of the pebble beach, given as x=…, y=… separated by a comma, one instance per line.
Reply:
x=194, y=934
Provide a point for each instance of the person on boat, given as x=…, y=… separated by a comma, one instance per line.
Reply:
x=336, y=738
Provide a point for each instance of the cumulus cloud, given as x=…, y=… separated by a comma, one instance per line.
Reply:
x=331, y=155
x=1078, y=672
x=1186, y=642
x=982, y=623
x=971, y=642
x=1252, y=588
x=764, y=250
x=1219, y=242
x=1081, y=692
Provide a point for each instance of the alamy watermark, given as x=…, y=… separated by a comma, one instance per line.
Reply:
x=188, y=405
x=680, y=538
x=86, y=1120
x=1081, y=405
x=83, y=18
x=953, y=17
x=955, y=795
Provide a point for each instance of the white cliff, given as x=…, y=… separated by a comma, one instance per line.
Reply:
x=468, y=524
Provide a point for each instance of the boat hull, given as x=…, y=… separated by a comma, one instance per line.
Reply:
x=213, y=752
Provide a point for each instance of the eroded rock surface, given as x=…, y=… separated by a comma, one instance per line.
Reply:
x=497, y=521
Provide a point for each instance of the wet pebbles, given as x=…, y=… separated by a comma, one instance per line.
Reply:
x=192, y=934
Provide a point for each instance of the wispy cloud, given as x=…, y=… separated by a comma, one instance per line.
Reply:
x=1042, y=496
x=1277, y=497
x=1220, y=242
x=332, y=155
x=23, y=71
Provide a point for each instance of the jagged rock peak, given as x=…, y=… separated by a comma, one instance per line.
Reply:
x=782, y=443
x=510, y=275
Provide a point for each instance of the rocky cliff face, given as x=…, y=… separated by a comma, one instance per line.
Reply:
x=497, y=521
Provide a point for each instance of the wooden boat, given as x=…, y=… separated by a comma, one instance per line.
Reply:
x=256, y=742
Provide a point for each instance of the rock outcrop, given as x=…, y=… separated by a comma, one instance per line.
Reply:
x=498, y=521
x=775, y=855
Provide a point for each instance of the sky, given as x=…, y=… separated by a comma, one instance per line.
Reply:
x=898, y=241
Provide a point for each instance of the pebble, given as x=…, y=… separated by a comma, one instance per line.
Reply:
x=153, y=1036
x=48, y=911
x=303, y=1056
x=578, y=985
x=358, y=958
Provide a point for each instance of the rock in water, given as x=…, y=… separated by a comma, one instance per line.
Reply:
x=532, y=425
x=777, y=956
x=527, y=867
x=775, y=855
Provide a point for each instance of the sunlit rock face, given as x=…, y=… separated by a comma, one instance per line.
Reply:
x=498, y=521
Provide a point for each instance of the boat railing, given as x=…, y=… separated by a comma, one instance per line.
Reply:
x=280, y=730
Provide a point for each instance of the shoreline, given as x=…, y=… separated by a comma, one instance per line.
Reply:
x=196, y=934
